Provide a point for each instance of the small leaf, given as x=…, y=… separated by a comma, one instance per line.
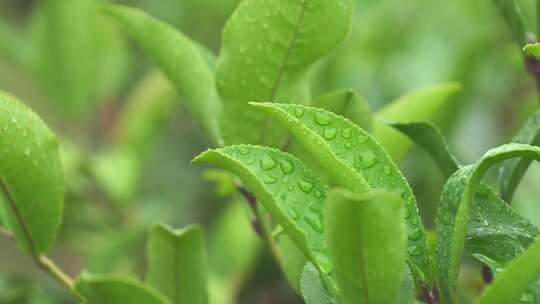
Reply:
x=511, y=284
x=177, y=264
x=366, y=238
x=430, y=138
x=292, y=195
x=513, y=170
x=418, y=106
x=533, y=50
x=348, y=104
x=313, y=290
x=355, y=161
x=268, y=47
x=454, y=212
x=182, y=61
x=114, y=289
x=33, y=200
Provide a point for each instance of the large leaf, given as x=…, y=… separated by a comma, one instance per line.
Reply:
x=455, y=207
x=267, y=49
x=348, y=104
x=114, y=289
x=430, y=138
x=31, y=176
x=366, y=238
x=177, y=263
x=417, y=106
x=356, y=161
x=511, y=284
x=182, y=60
x=512, y=171
x=292, y=195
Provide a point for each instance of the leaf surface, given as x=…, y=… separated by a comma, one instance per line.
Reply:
x=313, y=290
x=366, y=238
x=418, y=106
x=533, y=50
x=348, y=104
x=355, y=161
x=455, y=211
x=114, y=289
x=267, y=49
x=181, y=59
x=292, y=195
x=177, y=263
x=510, y=286
x=31, y=176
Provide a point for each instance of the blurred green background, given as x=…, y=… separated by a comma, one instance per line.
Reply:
x=125, y=173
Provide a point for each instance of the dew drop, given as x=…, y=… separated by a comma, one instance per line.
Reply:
x=294, y=214
x=414, y=250
x=299, y=112
x=387, y=170
x=348, y=145
x=330, y=133
x=368, y=160
x=315, y=222
x=362, y=139
x=305, y=186
x=286, y=166
x=415, y=234
x=269, y=179
x=243, y=150
x=268, y=163
x=322, y=119
x=346, y=133
x=482, y=191
x=318, y=194
x=407, y=213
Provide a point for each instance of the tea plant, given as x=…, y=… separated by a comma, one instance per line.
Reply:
x=318, y=174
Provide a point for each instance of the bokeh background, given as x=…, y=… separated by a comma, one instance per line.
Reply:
x=124, y=174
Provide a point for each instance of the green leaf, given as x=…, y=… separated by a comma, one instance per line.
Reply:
x=430, y=138
x=181, y=60
x=177, y=263
x=348, y=104
x=366, y=238
x=233, y=248
x=313, y=290
x=356, y=161
x=292, y=261
x=268, y=47
x=114, y=289
x=454, y=212
x=512, y=171
x=292, y=195
x=417, y=106
x=511, y=284
x=533, y=50
x=33, y=200
x=514, y=20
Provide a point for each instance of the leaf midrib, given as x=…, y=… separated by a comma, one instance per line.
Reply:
x=281, y=69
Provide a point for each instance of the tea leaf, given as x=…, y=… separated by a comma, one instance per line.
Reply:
x=113, y=289
x=177, y=263
x=455, y=208
x=33, y=200
x=313, y=290
x=348, y=104
x=292, y=261
x=533, y=50
x=366, y=238
x=430, y=138
x=354, y=160
x=268, y=47
x=418, y=106
x=180, y=59
x=512, y=171
x=292, y=195
x=511, y=284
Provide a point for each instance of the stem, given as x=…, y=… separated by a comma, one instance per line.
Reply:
x=537, y=18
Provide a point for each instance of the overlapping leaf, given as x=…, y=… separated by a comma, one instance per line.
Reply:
x=31, y=176
x=313, y=289
x=292, y=195
x=418, y=106
x=348, y=104
x=267, y=49
x=354, y=160
x=182, y=60
x=366, y=237
x=533, y=50
x=114, y=289
x=455, y=208
x=177, y=264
